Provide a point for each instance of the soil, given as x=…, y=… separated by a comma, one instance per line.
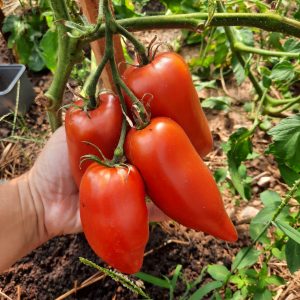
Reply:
x=54, y=268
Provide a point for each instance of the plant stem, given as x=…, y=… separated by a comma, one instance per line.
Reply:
x=195, y=21
x=243, y=48
x=139, y=47
x=258, y=112
x=68, y=54
x=89, y=90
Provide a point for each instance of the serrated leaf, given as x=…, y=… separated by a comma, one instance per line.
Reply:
x=292, y=45
x=288, y=230
x=286, y=145
x=283, y=71
x=218, y=103
x=292, y=254
x=206, y=289
x=119, y=277
x=218, y=272
x=245, y=258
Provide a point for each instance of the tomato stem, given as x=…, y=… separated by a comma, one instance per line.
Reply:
x=139, y=47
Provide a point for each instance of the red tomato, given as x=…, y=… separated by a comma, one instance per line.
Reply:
x=167, y=84
x=177, y=179
x=101, y=126
x=114, y=215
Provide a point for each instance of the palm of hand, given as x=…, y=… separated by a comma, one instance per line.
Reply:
x=51, y=180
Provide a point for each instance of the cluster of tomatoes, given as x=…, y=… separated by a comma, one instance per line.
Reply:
x=164, y=160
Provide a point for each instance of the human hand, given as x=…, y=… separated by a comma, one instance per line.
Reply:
x=51, y=180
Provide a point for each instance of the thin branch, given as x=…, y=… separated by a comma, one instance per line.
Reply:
x=195, y=21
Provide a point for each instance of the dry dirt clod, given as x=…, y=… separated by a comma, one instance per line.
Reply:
x=249, y=212
x=264, y=181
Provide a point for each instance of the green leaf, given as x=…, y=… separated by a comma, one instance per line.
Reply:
x=275, y=280
x=245, y=258
x=270, y=198
x=206, y=289
x=24, y=48
x=245, y=35
x=218, y=272
x=262, y=295
x=275, y=40
x=283, y=71
x=292, y=253
x=48, y=47
x=9, y=23
x=35, y=61
x=288, y=230
x=123, y=279
x=220, y=175
x=175, y=276
x=278, y=253
x=238, y=70
x=237, y=148
x=160, y=282
x=218, y=103
x=292, y=45
x=286, y=142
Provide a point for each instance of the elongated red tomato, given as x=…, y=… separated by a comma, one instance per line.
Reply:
x=114, y=215
x=101, y=127
x=167, y=84
x=177, y=179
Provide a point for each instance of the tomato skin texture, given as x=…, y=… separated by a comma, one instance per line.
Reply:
x=102, y=128
x=114, y=215
x=177, y=179
x=168, y=80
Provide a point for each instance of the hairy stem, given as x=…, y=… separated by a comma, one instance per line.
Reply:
x=244, y=48
x=68, y=53
x=195, y=21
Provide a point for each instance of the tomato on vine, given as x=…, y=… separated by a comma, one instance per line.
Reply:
x=100, y=126
x=114, y=215
x=177, y=179
x=167, y=86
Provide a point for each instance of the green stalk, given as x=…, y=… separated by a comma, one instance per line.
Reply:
x=68, y=54
x=195, y=21
x=243, y=48
x=139, y=47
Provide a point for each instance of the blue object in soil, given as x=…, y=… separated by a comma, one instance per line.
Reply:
x=10, y=75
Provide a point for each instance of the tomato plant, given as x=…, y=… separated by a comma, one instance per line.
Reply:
x=114, y=215
x=100, y=127
x=181, y=185
x=167, y=85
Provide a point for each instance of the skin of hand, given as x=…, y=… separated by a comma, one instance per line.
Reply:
x=43, y=203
